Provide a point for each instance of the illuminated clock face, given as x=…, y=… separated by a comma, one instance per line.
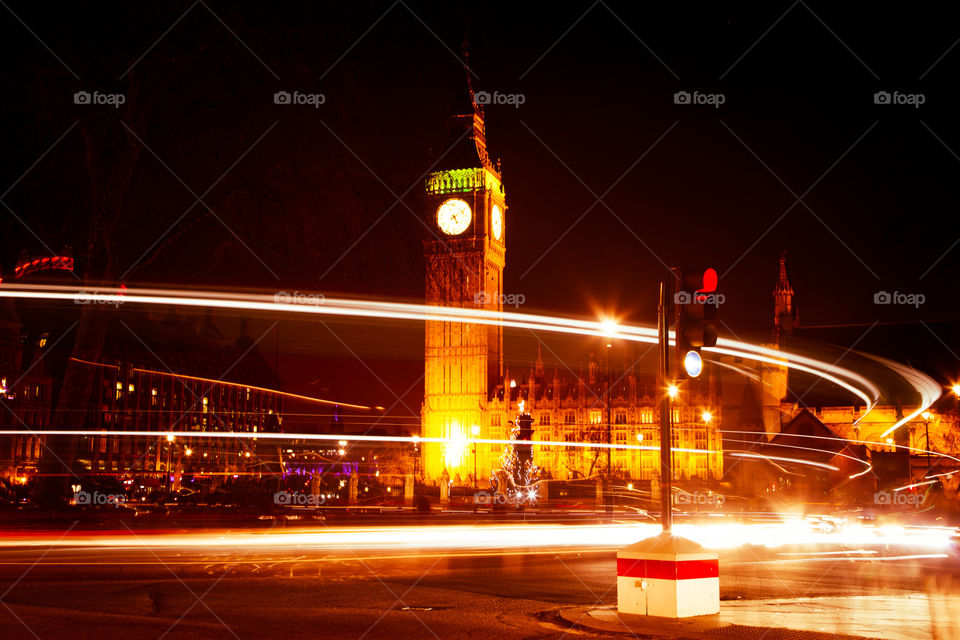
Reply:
x=454, y=216
x=496, y=222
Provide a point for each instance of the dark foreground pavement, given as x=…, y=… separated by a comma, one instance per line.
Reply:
x=189, y=592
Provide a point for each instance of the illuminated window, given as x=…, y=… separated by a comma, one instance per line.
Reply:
x=646, y=416
x=596, y=417
x=620, y=418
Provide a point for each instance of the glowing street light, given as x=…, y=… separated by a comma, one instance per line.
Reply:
x=673, y=391
x=956, y=389
x=188, y=452
x=475, y=430
x=707, y=416
x=610, y=328
x=170, y=437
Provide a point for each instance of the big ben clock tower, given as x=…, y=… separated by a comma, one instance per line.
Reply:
x=465, y=254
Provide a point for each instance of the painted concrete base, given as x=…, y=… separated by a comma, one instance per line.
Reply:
x=668, y=576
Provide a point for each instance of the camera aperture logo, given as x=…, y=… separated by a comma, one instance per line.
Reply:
x=298, y=499
x=486, y=98
x=709, y=99
x=897, y=498
x=297, y=98
x=912, y=299
x=505, y=299
x=97, y=98
x=909, y=99
x=97, y=499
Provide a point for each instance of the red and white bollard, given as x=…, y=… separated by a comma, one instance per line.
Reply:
x=669, y=577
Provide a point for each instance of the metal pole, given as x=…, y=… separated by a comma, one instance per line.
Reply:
x=666, y=517
x=609, y=483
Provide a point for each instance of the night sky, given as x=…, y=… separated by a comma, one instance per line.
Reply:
x=306, y=198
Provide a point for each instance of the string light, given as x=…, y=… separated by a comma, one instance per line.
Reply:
x=521, y=475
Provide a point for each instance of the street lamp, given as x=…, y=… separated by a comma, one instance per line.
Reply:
x=610, y=329
x=673, y=391
x=475, y=430
x=707, y=416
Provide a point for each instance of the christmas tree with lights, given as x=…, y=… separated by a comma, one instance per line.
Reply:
x=518, y=474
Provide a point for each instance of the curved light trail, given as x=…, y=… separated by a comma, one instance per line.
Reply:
x=319, y=305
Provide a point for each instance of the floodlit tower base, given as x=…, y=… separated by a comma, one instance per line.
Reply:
x=669, y=577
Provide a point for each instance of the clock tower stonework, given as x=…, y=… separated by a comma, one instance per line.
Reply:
x=465, y=255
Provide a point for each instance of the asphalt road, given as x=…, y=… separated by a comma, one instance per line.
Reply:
x=306, y=592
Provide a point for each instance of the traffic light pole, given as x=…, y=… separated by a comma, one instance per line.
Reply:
x=666, y=472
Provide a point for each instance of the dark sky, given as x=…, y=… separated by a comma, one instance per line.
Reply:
x=308, y=196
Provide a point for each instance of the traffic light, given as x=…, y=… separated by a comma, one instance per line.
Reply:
x=696, y=301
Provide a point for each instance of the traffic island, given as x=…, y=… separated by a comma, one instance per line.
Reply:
x=609, y=621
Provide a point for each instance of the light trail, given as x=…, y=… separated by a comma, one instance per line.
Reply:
x=759, y=456
x=533, y=536
x=928, y=389
x=332, y=437
x=238, y=385
x=866, y=442
x=846, y=379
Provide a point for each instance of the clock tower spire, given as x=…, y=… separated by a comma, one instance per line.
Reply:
x=465, y=254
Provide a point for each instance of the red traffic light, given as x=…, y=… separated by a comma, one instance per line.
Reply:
x=700, y=280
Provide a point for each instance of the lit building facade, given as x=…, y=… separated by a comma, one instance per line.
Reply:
x=575, y=410
x=26, y=392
